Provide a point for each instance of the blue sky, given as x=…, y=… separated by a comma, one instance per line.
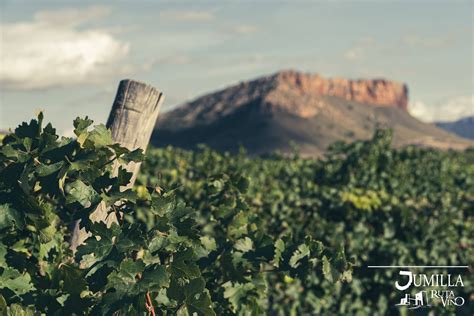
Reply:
x=66, y=57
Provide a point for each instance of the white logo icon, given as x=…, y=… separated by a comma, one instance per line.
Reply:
x=419, y=300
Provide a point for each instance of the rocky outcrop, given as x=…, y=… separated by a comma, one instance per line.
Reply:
x=375, y=92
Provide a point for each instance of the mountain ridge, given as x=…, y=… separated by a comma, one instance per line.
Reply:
x=463, y=127
x=272, y=112
x=281, y=88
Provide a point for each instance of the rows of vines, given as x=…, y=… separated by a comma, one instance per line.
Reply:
x=383, y=206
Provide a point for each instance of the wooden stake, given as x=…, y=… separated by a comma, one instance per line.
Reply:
x=131, y=121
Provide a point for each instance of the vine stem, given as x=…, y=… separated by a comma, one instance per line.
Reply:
x=149, y=304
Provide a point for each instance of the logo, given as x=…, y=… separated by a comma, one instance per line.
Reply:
x=421, y=290
x=420, y=299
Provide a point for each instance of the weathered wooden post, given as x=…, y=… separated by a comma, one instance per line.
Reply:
x=131, y=121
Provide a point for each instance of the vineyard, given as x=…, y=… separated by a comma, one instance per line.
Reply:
x=207, y=233
x=383, y=206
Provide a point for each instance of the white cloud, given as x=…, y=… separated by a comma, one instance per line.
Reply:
x=449, y=110
x=195, y=16
x=56, y=48
x=72, y=16
x=245, y=29
x=430, y=42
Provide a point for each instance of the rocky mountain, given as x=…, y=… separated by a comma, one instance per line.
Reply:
x=291, y=108
x=463, y=127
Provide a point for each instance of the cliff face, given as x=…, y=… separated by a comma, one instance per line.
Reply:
x=376, y=92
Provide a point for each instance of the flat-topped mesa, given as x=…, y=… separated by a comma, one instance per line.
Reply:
x=271, y=112
x=376, y=92
x=290, y=92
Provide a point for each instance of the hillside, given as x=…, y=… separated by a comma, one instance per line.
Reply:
x=463, y=127
x=291, y=108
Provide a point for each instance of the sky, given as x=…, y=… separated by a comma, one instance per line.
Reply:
x=67, y=57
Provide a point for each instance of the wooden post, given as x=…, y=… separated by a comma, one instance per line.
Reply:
x=131, y=121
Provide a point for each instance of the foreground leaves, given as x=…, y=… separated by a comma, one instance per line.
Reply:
x=158, y=254
x=54, y=181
